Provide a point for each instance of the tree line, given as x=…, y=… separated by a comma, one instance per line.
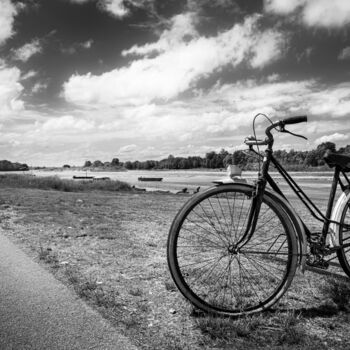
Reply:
x=6, y=165
x=291, y=160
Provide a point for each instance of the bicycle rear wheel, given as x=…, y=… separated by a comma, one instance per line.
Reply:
x=344, y=238
x=208, y=269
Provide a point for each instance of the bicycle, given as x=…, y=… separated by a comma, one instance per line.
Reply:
x=234, y=248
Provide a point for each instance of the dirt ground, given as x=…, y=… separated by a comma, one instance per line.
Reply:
x=111, y=249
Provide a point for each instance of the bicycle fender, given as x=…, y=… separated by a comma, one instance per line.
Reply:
x=298, y=227
x=336, y=216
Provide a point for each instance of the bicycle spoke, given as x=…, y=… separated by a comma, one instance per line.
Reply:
x=200, y=236
x=217, y=218
x=206, y=230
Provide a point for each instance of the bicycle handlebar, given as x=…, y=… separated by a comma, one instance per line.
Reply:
x=294, y=120
x=251, y=141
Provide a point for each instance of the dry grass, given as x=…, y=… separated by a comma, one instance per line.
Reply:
x=110, y=248
x=55, y=183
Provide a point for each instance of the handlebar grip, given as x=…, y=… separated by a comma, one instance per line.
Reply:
x=295, y=120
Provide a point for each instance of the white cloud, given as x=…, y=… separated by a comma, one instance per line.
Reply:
x=267, y=49
x=127, y=149
x=181, y=61
x=331, y=138
x=87, y=44
x=28, y=50
x=77, y=46
x=67, y=123
x=344, y=54
x=181, y=27
x=39, y=86
x=115, y=7
x=7, y=14
x=282, y=6
x=10, y=90
x=313, y=13
x=30, y=74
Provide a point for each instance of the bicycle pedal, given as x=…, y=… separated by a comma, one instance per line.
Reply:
x=319, y=263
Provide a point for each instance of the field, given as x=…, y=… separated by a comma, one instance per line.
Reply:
x=110, y=247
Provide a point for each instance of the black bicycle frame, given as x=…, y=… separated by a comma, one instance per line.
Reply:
x=309, y=204
x=265, y=178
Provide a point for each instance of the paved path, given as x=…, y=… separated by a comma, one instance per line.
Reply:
x=38, y=312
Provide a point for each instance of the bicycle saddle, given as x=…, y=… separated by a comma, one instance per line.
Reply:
x=340, y=160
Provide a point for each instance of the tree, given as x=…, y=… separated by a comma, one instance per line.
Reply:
x=312, y=158
x=128, y=165
x=324, y=146
x=66, y=166
x=321, y=150
x=97, y=164
x=115, y=162
x=87, y=164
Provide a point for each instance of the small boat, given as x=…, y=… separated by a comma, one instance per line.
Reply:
x=82, y=177
x=105, y=178
x=141, y=178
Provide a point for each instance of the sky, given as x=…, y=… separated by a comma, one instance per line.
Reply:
x=141, y=79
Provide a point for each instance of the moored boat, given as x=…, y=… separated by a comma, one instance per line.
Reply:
x=83, y=177
x=141, y=178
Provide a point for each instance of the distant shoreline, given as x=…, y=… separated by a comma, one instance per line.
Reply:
x=82, y=169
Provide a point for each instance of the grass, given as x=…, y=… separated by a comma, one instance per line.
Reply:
x=65, y=185
x=110, y=248
x=338, y=291
x=269, y=330
x=92, y=290
x=48, y=256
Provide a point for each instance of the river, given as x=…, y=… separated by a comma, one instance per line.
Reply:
x=176, y=180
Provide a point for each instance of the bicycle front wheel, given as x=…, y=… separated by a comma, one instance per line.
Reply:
x=209, y=268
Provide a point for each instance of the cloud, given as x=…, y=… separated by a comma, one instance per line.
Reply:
x=30, y=74
x=289, y=97
x=39, y=86
x=7, y=14
x=87, y=44
x=77, y=46
x=182, y=28
x=67, y=123
x=282, y=7
x=115, y=7
x=331, y=138
x=127, y=149
x=313, y=13
x=10, y=90
x=177, y=63
x=344, y=54
x=25, y=52
x=119, y=8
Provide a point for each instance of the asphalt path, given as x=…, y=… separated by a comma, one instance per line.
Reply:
x=38, y=312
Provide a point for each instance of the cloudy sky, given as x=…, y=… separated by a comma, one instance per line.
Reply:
x=142, y=79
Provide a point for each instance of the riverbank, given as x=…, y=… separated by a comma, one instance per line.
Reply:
x=110, y=247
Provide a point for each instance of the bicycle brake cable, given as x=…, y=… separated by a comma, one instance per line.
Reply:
x=292, y=133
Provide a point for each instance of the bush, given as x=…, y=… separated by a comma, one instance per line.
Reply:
x=55, y=183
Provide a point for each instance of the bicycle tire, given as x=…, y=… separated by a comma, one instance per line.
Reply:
x=243, y=282
x=344, y=237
